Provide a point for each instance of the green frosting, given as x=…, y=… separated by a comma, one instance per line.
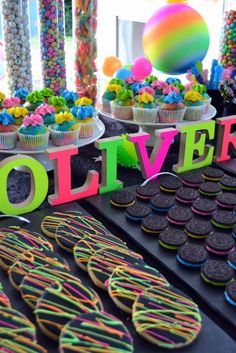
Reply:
x=57, y=100
x=199, y=88
x=151, y=78
x=124, y=97
x=178, y=85
x=116, y=81
x=46, y=92
x=33, y=130
x=109, y=95
x=35, y=97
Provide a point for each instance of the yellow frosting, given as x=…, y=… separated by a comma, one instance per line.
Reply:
x=114, y=88
x=17, y=112
x=193, y=96
x=145, y=98
x=83, y=101
x=2, y=96
x=63, y=116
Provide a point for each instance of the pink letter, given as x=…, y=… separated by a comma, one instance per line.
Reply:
x=225, y=138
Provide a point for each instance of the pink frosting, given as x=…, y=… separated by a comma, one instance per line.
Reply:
x=131, y=80
x=45, y=109
x=147, y=89
x=170, y=89
x=11, y=102
x=159, y=84
x=188, y=86
x=32, y=120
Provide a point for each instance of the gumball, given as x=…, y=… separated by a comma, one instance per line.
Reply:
x=141, y=68
x=175, y=38
x=111, y=65
x=123, y=73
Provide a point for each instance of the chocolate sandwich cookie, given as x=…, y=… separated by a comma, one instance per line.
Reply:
x=217, y=273
x=232, y=260
x=228, y=183
x=36, y=281
x=50, y=223
x=204, y=207
x=14, y=243
x=13, y=323
x=30, y=259
x=230, y=293
x=97, y=332
x=122, y=198
x=61, y=302
x=146, y=192
x=172, y=238
x=220, y=244
x=192, y=255
x=187, y=195
x=137, y=212
x=127, y=282
x=104, y=261
x=154, y=224
x=70, y=232
x=213, y=174
x=224, y=219
x=192, y=179
x=20, y=345
x=179, y=216
x=87, y=246
x=198, y=228
x=162, y=202
x=166, y=317
x=170, y=184
x=210, y=189
x=4, y=300
x=226, y=200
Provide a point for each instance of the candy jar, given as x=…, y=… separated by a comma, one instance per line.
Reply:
x=228, y=38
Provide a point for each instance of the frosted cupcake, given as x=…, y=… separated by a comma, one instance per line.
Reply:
x=200, y=88
x=2, y=97
x=8, y=131
x=158, y=86
x=18, y=113
x=11, y=102
x=21, y=93
x=59, y=103
x=122, y=105
x=33, y=133
x=172, y=110
x=70, y=97
x=194, y=105
x=84, y=116
x=34, y=100
x=109, y=95
x=46, y=93
x=145, y=109
x=47, y=112
x=65, y=131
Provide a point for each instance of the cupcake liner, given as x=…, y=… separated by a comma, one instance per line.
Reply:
x=142, y=115
x=8, y=140
x=62, y=138
x=86, y=129
x=34, y=142
x=106, y=105
x=120, y=112
x=171, y=116
x=194, y=113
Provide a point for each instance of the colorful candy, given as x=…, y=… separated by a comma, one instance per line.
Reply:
x=228, y=40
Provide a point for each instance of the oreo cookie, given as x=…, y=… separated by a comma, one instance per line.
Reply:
x=210, y=189
x=204, y=207
x=137, y=212
x=198, y=228
x=212, y=174
x=122, y=198
x=146, y=192
x=220, y=244
x=217, y=273
x=172, y=238
x=170, y=184
x=228, y=183
x=232, y=260
x=187, y=195
x=154, y=224
x=162, y=202
x=179, y=216
x=230, y=293
x=192, y=255
x=226, y=200
x=224, y=219
x=192, y=179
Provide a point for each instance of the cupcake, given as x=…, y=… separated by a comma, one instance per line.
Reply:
x=200, y=88
x=21, y=93
x=2, y=97
x=70, y=98
x=47, y=112
x=11, y=102
x=129, y=81
x=33, y=133
x=122, y=105
x=46, y=93
x=172, y=110
x=18, y=113
x=34, y=100
x=158, y=86
x=65, y=131
x=59, y=103
x=84, y=115
x=194, y=105
x=109, y=95
x=145, y=109
x=8, y=131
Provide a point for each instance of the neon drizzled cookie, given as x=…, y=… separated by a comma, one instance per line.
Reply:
x=61, y=302
x=36, y=281
x=4, y=300
x=97, y=332
x=30, y=259
x=20, y=345
x=70, y=232
x=104, y=261
x=127, y=282
x=14, y=243
x=50, y=223
x=165, y=317
x=13, y=323
x=87, y=246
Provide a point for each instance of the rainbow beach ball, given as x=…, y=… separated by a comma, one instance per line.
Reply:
x=175, y=38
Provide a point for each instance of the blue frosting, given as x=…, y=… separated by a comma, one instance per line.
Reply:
x=171, y=80
x=173, y=98
x=84, y=112
x=69, y=95
x=6, y=118
x=189, y=264
x=21, y=93
x=136, y=86
x=74, y=110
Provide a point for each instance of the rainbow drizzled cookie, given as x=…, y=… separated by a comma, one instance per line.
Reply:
x=30, y=259
x=104, y=261
x=127, y=282
x=61, y=302
x=96, y=332
x=87, y=246
x=70, y=232
x=20, y=345
x=166, y=318
x=4, y=300
x=50, y=223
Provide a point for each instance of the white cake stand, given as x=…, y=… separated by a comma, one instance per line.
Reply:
x=151, y=127
x=41, y=156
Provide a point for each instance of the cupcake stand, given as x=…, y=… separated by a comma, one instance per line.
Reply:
x=151, y=127
x=41, y=156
